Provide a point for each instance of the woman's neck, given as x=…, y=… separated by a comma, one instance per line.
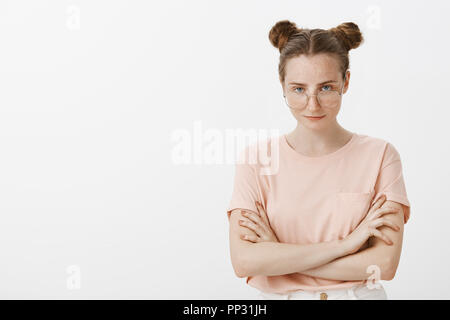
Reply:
x=317, y=143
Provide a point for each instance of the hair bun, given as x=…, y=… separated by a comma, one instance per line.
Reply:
x=280, y=33
x=349, y=34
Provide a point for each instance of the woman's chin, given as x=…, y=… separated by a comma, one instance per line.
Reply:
x=314, y=124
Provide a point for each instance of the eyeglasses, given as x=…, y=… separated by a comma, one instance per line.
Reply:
x=326, y=99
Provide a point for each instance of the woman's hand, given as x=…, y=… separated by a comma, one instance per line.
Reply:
x=259, y=224
x=368, y=227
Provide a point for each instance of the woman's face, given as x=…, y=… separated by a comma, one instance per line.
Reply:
x=308, y=74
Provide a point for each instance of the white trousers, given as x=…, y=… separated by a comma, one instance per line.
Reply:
x=357, y=292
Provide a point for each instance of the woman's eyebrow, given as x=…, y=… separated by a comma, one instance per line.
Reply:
x=302, y=84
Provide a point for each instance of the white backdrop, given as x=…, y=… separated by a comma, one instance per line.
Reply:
x=93, y=203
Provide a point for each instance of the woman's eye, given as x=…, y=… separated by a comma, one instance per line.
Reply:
x=327, y=86
x=295, y=90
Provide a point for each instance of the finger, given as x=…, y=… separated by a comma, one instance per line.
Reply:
x=253, y=217
x=378, y=203
x=385, y=210
x=382, y=221
x=261, y=218
x=250, y=237
x=382, y=236
x=257, y=220
x=252, y=226
x=248, y=229
x=262, y=212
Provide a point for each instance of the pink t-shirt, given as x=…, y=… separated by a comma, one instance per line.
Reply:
x=315, y=199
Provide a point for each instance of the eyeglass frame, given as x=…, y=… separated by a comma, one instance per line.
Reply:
x=311, y=95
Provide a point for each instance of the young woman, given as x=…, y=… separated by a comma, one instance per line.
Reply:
x=328, y=223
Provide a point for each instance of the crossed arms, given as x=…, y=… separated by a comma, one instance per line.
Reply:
x=328, y=260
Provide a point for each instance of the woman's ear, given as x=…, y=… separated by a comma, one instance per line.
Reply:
x=347, y=80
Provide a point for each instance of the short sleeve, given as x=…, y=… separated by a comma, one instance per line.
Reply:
x=390, y=180
x=245, y=188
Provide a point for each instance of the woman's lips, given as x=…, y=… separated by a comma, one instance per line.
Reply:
x=314, y=118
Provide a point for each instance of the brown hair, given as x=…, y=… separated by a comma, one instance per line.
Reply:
x=293, y=41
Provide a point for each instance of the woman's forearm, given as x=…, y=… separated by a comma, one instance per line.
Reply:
x=275, y=258
x=354, y=266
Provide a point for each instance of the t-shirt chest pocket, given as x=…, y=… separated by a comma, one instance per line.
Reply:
x=349, y=210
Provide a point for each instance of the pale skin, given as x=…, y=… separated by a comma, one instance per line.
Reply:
x=376, y=241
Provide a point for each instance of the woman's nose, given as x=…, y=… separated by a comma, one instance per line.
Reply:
x=313, y=103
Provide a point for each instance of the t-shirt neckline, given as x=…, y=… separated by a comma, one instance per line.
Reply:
x=325, y=157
